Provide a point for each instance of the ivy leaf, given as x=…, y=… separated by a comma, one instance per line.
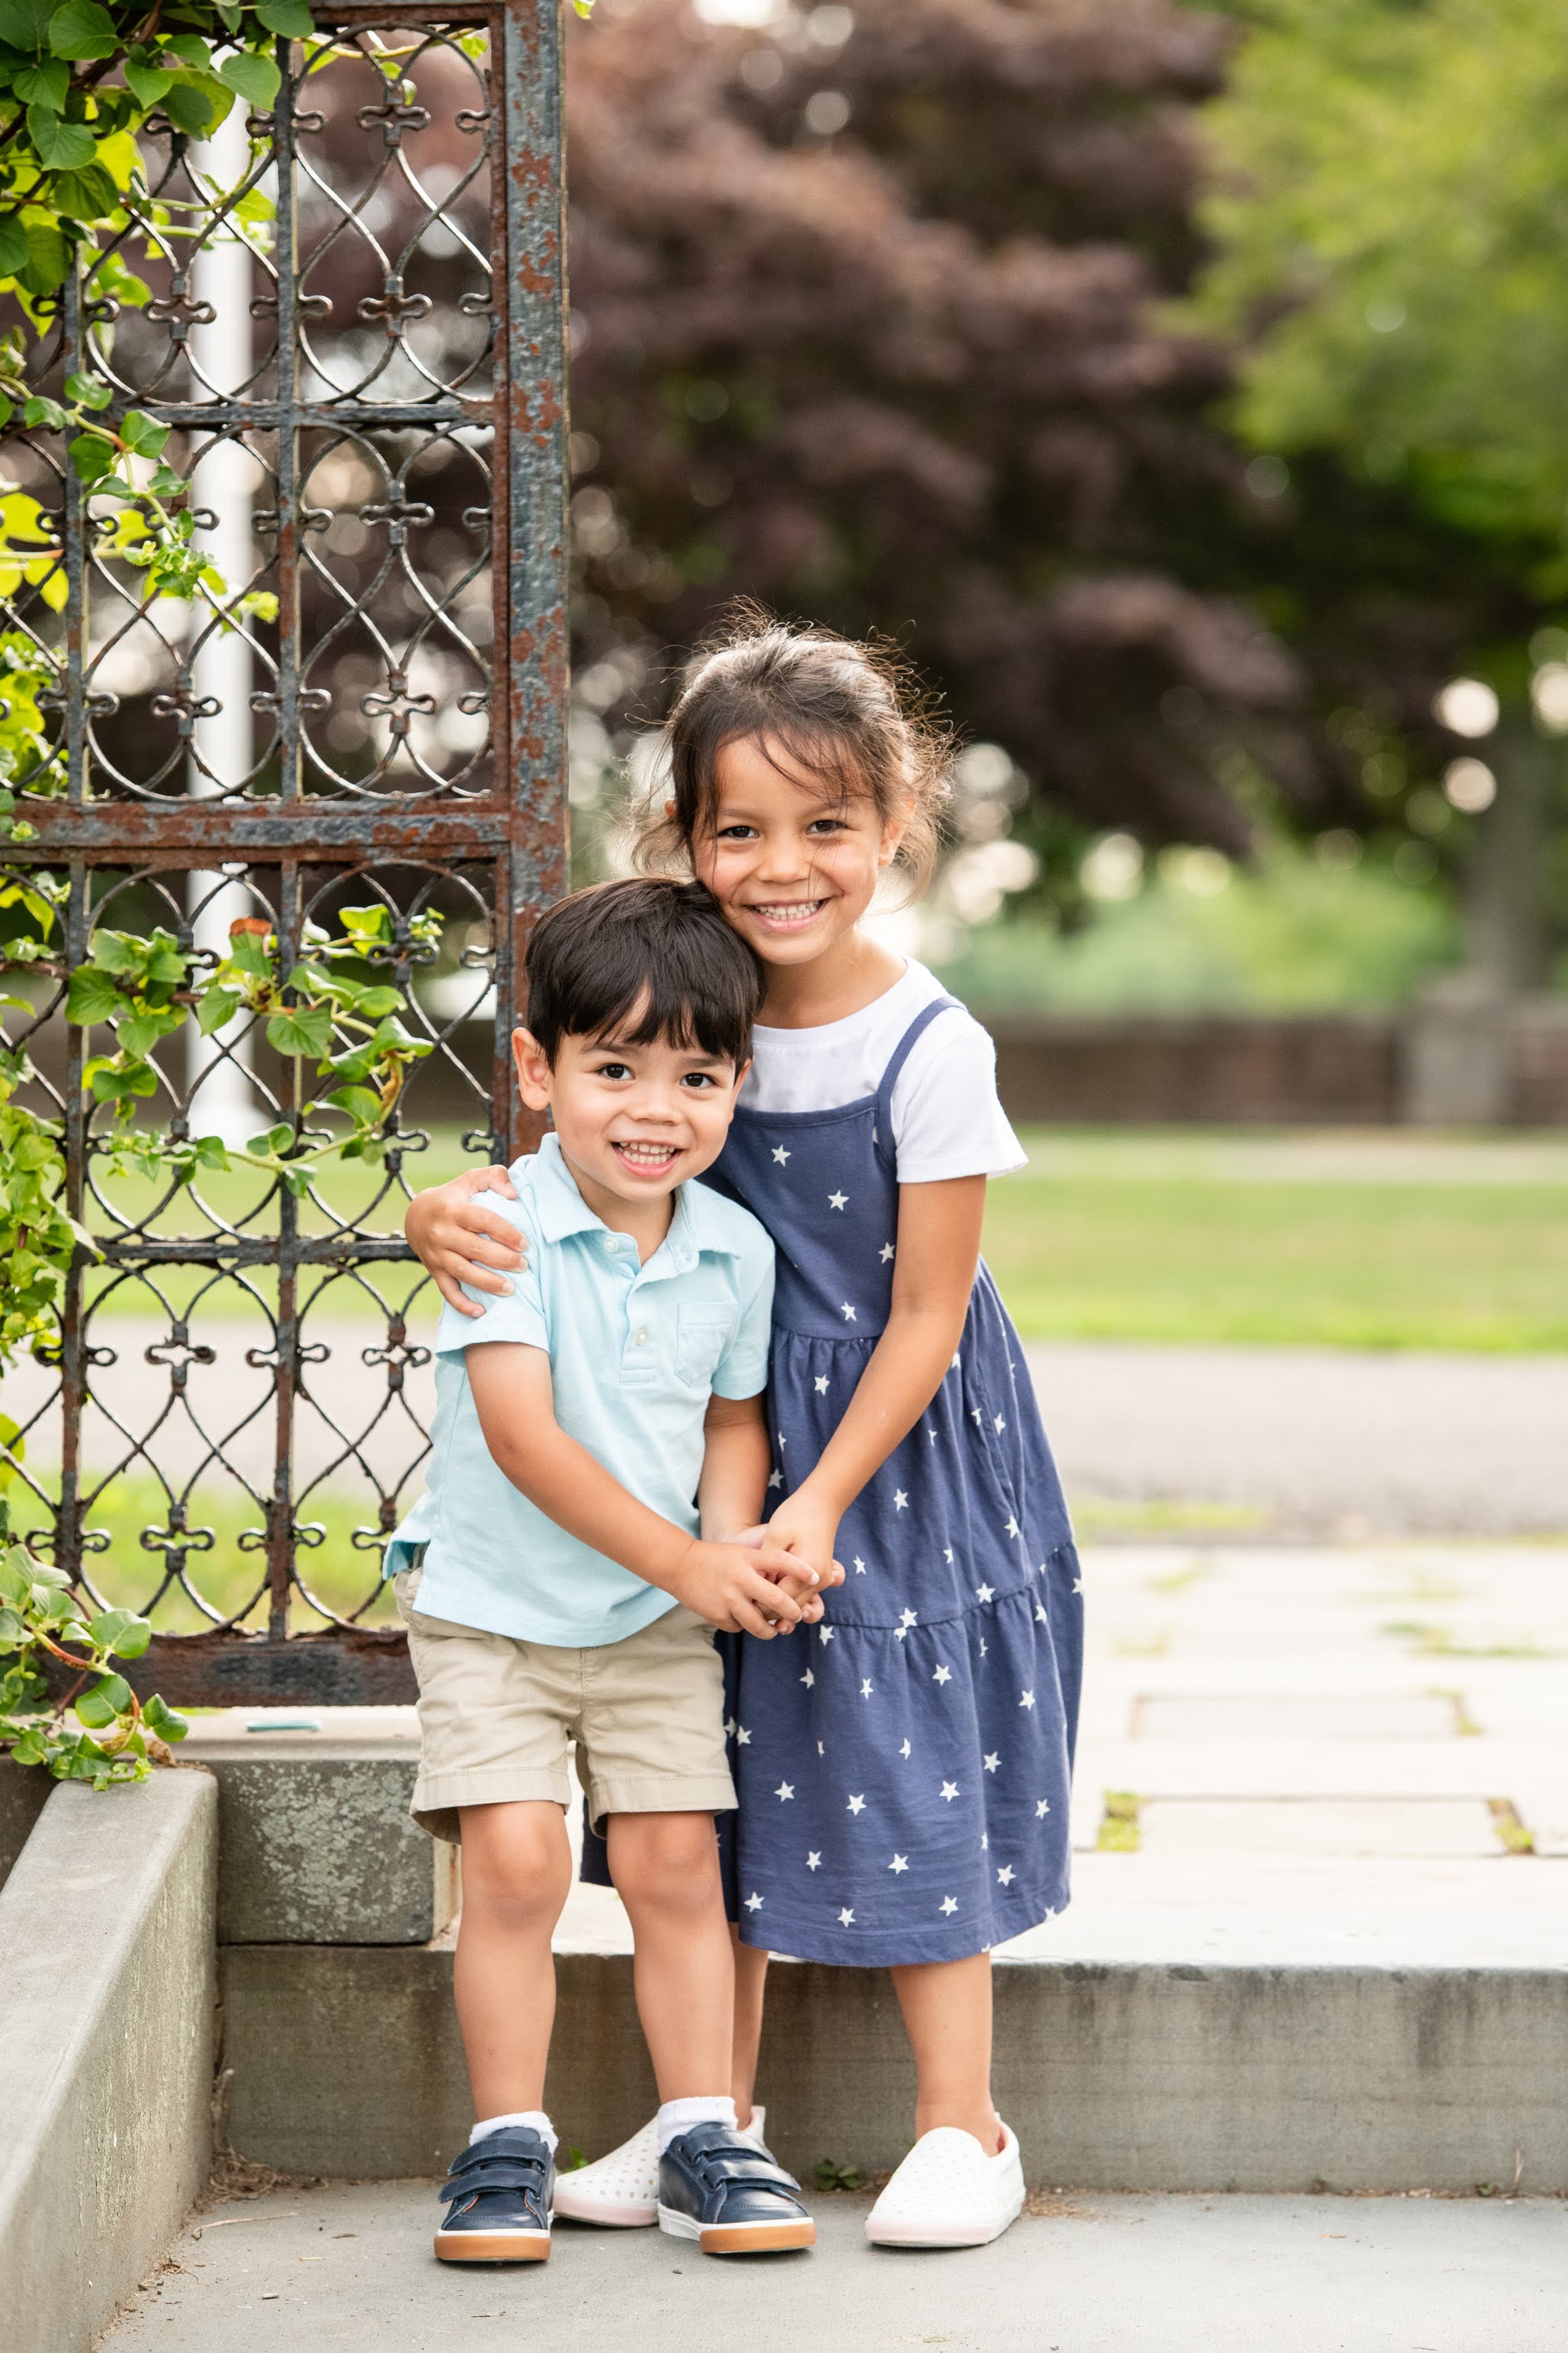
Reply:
x=147, y=83
x=91, y=996
x=92, y=457
x=117, y=952
x=94, y=1708
x=48, y=259
x=290, y=19
x=60, y=146
x=81, y=29
x=300, y=1029
x=216, y=1008
x=255, y=79
x=13, y=1630
x=159, y=1718
x=211, y=1152
x=359, y=1103
x=43, y=411
x=88, y=391
x=143, y=434
x=47, y=84
x=376, y=1003
x=121, y=1632
x=367, y=923
x=15, y=250
x=196, y=104
x=84, y=195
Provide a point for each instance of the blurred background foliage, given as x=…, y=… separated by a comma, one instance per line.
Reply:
x=1176, y=385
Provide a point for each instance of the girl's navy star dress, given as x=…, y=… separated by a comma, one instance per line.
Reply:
x=903, y=1768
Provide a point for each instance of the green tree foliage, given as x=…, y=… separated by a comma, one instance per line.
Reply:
x=1393, y=225
x=1391, y=217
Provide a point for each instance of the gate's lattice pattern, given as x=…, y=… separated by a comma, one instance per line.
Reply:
x=354, y=327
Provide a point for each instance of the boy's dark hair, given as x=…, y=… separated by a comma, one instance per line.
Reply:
x=650, y=947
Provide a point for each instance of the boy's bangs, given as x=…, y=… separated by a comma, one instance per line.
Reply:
x=655, y=1011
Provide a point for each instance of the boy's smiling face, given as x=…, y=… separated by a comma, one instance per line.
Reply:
x=634, y=1121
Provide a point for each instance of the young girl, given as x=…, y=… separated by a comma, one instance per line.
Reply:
x=903, y=1770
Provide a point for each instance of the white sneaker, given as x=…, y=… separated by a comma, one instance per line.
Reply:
x=947, y=2193
x=620, y=2191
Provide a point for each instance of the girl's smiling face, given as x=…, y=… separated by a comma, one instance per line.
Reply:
x=792, y=858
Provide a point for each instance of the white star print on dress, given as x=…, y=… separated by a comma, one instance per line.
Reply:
x=865, y=1688
x=779, y=1154
x=899, y=1862
x=1005, y=1874
x=887, y=1253
x=1040, y=1616
x=985, y=1593
x=856, y=1805
x=753, y=1903
x=775, y=1477
x=859, y=1566
x=821, y=1383
x=836, y=1200
x=1025, y=1699
x=905, y=1750
x=907, y=1619
x=814, y=1860
x=808, y=1679
x=950, y=1902
x=993, y=1761
x=846, y=1918
x=1011, y=1529
x=1042, y=1808
x=949, y=1790
x=947, y=1555
x=900, y=1501
x=943, y=1676
x=999, y=1425
x=825, y=1633
x=848, y=1313
x=785, y=1789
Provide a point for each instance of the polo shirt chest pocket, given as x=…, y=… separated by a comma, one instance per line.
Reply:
x=701, y=1335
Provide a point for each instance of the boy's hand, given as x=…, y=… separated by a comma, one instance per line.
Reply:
x=739, y=1587
x=800, y=1580
x=459, y=1241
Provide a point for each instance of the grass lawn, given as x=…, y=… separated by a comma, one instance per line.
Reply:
x=1375, y=1242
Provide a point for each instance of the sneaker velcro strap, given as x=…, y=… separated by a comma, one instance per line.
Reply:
x=725, y=2162
x=484, y=2165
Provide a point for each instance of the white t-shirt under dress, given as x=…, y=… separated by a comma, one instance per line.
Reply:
x=948, y=1120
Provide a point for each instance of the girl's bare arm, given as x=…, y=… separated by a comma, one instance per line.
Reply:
x=934, y=1275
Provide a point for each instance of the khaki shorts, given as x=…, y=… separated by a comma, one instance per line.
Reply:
x=496, y=1716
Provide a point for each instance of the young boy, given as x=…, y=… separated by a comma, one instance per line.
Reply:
x=558, y=1582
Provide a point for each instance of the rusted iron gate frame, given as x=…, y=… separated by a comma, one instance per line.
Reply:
x=519, y=828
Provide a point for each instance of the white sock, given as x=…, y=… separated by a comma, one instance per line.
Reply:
x=677, y=2117
x=534, y=2117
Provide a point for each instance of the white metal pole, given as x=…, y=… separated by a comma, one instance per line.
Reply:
x=223, y=740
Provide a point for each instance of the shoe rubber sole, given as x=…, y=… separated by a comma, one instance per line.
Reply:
x=915, y=2235
x=492, y=2246
x=740, y=2238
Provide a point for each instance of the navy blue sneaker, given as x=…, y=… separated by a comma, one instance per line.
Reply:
x=730, y=2195
x=500, y=2193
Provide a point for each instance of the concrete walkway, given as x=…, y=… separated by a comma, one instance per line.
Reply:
x=349, y=2268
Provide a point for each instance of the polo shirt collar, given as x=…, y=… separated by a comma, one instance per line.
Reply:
x=697, y=1226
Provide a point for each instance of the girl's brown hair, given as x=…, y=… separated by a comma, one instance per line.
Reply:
x=852, y=714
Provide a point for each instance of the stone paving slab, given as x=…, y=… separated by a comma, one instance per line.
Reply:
x=346, y=2269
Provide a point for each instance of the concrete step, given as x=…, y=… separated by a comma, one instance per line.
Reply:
x=349, y=2266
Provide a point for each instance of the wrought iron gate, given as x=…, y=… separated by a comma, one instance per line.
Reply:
x=231, y=1421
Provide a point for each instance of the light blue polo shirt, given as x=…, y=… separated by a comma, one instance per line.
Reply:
x=635, y=1352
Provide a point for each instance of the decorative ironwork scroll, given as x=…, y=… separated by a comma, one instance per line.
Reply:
x=350, y=315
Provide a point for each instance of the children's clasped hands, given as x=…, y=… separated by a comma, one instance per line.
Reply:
x=749, y=1584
